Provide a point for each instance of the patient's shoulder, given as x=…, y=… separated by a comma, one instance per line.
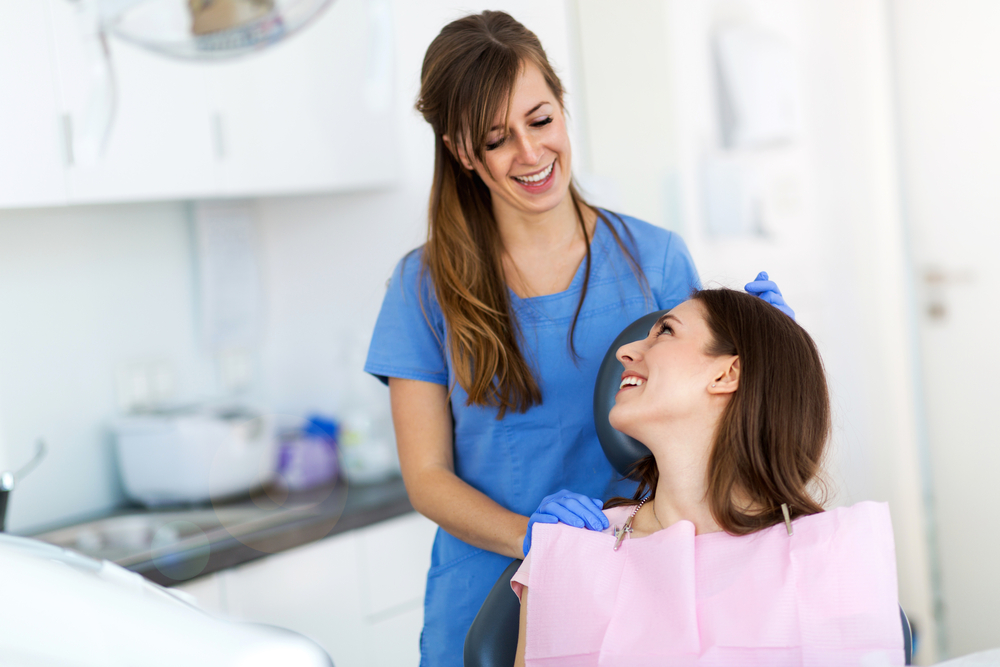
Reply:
x=617, y=516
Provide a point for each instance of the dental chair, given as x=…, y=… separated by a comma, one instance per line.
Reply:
x=492, y=637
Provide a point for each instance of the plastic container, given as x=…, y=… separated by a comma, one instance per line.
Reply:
x=194, y=455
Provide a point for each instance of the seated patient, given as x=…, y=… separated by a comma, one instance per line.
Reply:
x=730, y=397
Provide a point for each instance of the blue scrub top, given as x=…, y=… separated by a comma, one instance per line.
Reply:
x=524, y=457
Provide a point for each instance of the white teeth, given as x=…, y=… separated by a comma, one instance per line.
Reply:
x=541, y=176
x=631, y=380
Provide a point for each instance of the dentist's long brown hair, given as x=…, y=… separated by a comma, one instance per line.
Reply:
x=770, y=440
x=468, y=75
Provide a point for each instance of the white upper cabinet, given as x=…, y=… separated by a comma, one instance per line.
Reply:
x=32, y=160
x=160, y=145
x=313, y=113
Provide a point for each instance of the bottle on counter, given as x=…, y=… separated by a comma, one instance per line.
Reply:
x=308, y=457
x=368, y=444
x=367, y=441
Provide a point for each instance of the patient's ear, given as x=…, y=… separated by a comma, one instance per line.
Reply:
x=727, y=378
x=458, y=152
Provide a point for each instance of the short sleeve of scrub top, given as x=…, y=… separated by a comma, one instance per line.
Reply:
x=518, y=460
x=408, y=341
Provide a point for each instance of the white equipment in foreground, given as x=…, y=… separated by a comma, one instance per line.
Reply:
x=61, y=608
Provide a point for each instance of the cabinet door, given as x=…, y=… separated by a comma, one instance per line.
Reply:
x=161, y=144
x=312, y=113
x=313, y=590
x=395, y=640
x=32, y=166
x=394, y=557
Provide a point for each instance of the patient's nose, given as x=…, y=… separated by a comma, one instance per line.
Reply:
x=629, y=353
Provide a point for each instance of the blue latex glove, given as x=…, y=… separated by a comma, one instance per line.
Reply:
x=768, y=291
x=574, y=509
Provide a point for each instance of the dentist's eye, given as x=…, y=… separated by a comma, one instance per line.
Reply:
x=496, y=144
x=543, y=122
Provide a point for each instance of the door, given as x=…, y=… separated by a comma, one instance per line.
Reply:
x=948, y=68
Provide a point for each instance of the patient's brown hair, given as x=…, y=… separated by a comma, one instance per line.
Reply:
x=770, y=440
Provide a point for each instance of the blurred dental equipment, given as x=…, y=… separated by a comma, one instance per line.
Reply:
x=206, y=29
x=61, y=608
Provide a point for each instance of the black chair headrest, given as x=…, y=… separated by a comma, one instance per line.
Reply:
x=620, y=449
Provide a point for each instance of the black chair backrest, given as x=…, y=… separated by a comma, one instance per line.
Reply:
x=622, y=450
x=492, y=638
x=907, y=635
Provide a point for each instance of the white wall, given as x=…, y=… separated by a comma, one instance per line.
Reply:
x=628, y=115
x=84, y=290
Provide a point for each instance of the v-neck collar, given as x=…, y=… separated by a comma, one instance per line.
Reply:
x=575, y=285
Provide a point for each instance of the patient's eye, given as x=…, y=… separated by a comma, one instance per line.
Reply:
x=664, y=328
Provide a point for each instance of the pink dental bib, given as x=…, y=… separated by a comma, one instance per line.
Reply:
x=825, y=595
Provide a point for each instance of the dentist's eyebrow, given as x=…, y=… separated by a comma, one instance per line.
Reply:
x=536, y=108
x=533, y=110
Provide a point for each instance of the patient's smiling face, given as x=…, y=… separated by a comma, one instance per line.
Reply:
x=669, y=375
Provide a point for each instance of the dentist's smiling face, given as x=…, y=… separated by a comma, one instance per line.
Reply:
x=668, y=375
x=526, y=165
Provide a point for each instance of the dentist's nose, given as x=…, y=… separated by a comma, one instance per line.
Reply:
x=529, y=152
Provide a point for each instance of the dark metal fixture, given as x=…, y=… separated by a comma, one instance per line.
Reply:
x=8, y=480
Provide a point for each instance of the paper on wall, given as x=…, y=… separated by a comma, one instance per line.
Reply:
x=229, y=287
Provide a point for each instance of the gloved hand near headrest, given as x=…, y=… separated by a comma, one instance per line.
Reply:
x=769, y=292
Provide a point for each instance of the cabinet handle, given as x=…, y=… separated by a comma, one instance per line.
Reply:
x=936, y=279
x=936, y=276
x=218, y=137
x=67, y=132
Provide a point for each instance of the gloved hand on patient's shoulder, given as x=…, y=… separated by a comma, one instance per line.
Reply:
x=574, y=509
x=768, y=291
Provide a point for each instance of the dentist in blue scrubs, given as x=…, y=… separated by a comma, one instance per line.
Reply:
x=491, y=334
